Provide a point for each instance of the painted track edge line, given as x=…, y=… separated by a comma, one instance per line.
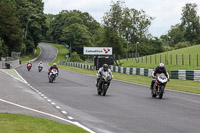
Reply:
x=140, y=84
x=14, y=77
x=51, y=115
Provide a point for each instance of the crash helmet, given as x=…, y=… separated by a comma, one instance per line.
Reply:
x=161, y=66
x=40, y=62
x=54, y=64
x=105, y=67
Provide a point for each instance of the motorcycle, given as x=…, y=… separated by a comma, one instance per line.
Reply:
x=40, y=68
x=159, y=86
x=104, y=83
x=52, y=76
x=29, y=67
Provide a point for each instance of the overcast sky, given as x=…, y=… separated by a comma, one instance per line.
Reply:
x=166, y=12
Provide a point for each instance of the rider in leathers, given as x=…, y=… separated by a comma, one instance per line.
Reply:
x=100, y=72
x=159, y=69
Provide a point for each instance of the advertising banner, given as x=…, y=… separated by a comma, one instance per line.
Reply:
x=97, y=50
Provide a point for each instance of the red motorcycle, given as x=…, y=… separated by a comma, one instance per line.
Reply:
x=29, y=67
x=159, y=86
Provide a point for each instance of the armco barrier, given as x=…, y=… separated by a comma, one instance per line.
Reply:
x=186, y=74
x=124, y=70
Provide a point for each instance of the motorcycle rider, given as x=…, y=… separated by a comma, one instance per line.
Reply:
x=40, y=64
x=53, y=67
x=28, y=64
x=100, y=72
x=159, y=69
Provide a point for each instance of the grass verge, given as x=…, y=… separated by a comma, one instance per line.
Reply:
x=29, y=57
x=174, y=84
x=16, y=123
x=177, y=59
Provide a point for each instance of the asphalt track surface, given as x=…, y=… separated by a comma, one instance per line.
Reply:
x=127, y=108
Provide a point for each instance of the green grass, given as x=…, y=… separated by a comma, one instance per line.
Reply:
x=193, y=51
x=15, y=123
x=26, y=58
x=174, y=84
x=62, y=52
x=13, y=73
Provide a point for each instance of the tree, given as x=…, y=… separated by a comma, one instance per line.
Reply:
x=10, y=28
x=128, y=25
x=30, y=13
x=77, y=34
x=191, y=23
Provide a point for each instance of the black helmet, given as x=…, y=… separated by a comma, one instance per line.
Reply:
x=161, y=66
x=105, y=67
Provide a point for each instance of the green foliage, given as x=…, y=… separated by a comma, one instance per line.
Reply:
x=182, y=45
x=32, y=18
x=191, y=23
x=75, y=27
x=77, y=34
x=188, y=31
x=29, y=45
x=75, y=57
x=123, y=25
x=10, y=30
x=3, y=47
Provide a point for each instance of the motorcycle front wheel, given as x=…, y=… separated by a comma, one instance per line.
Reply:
x=161, y=91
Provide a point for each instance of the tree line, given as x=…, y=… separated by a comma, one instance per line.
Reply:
x=187, y=32
x=22, y=25
x=120, y=27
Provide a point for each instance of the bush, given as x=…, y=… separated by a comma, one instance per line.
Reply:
x=182, y=45
x=75, y=57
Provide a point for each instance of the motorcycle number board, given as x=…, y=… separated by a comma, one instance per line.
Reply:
x=97, y=50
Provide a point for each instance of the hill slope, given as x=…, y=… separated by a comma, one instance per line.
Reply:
x=181, y=59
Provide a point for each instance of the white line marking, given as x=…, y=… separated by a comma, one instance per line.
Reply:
x=21, y=77
x=71, y=118
x=57, y=107
x=13, y=76
x=64, y=112
x=48, y=100
x=51, y=115
x=53, y=103
x=45, y=97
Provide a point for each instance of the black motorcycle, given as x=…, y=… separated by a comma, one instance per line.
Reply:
x=104, y=83
x=159, y=86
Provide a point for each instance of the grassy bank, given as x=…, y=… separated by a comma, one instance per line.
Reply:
x=15, y=123
x=177, y=59
x=26, y=58
x=174, y=84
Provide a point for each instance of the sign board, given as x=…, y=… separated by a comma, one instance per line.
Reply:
x=97, y=50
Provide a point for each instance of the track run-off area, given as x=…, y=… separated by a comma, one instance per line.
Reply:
x=127, y=107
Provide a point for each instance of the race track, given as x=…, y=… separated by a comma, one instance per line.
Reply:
x=127, y=108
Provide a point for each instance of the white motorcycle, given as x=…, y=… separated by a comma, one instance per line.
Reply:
x=159, y=86
x=52, y=76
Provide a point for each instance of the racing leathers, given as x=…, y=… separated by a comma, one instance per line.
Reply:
x=154, y=74
x=100, y=73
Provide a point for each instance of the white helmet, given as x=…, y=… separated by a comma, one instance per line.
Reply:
x=54, y=64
